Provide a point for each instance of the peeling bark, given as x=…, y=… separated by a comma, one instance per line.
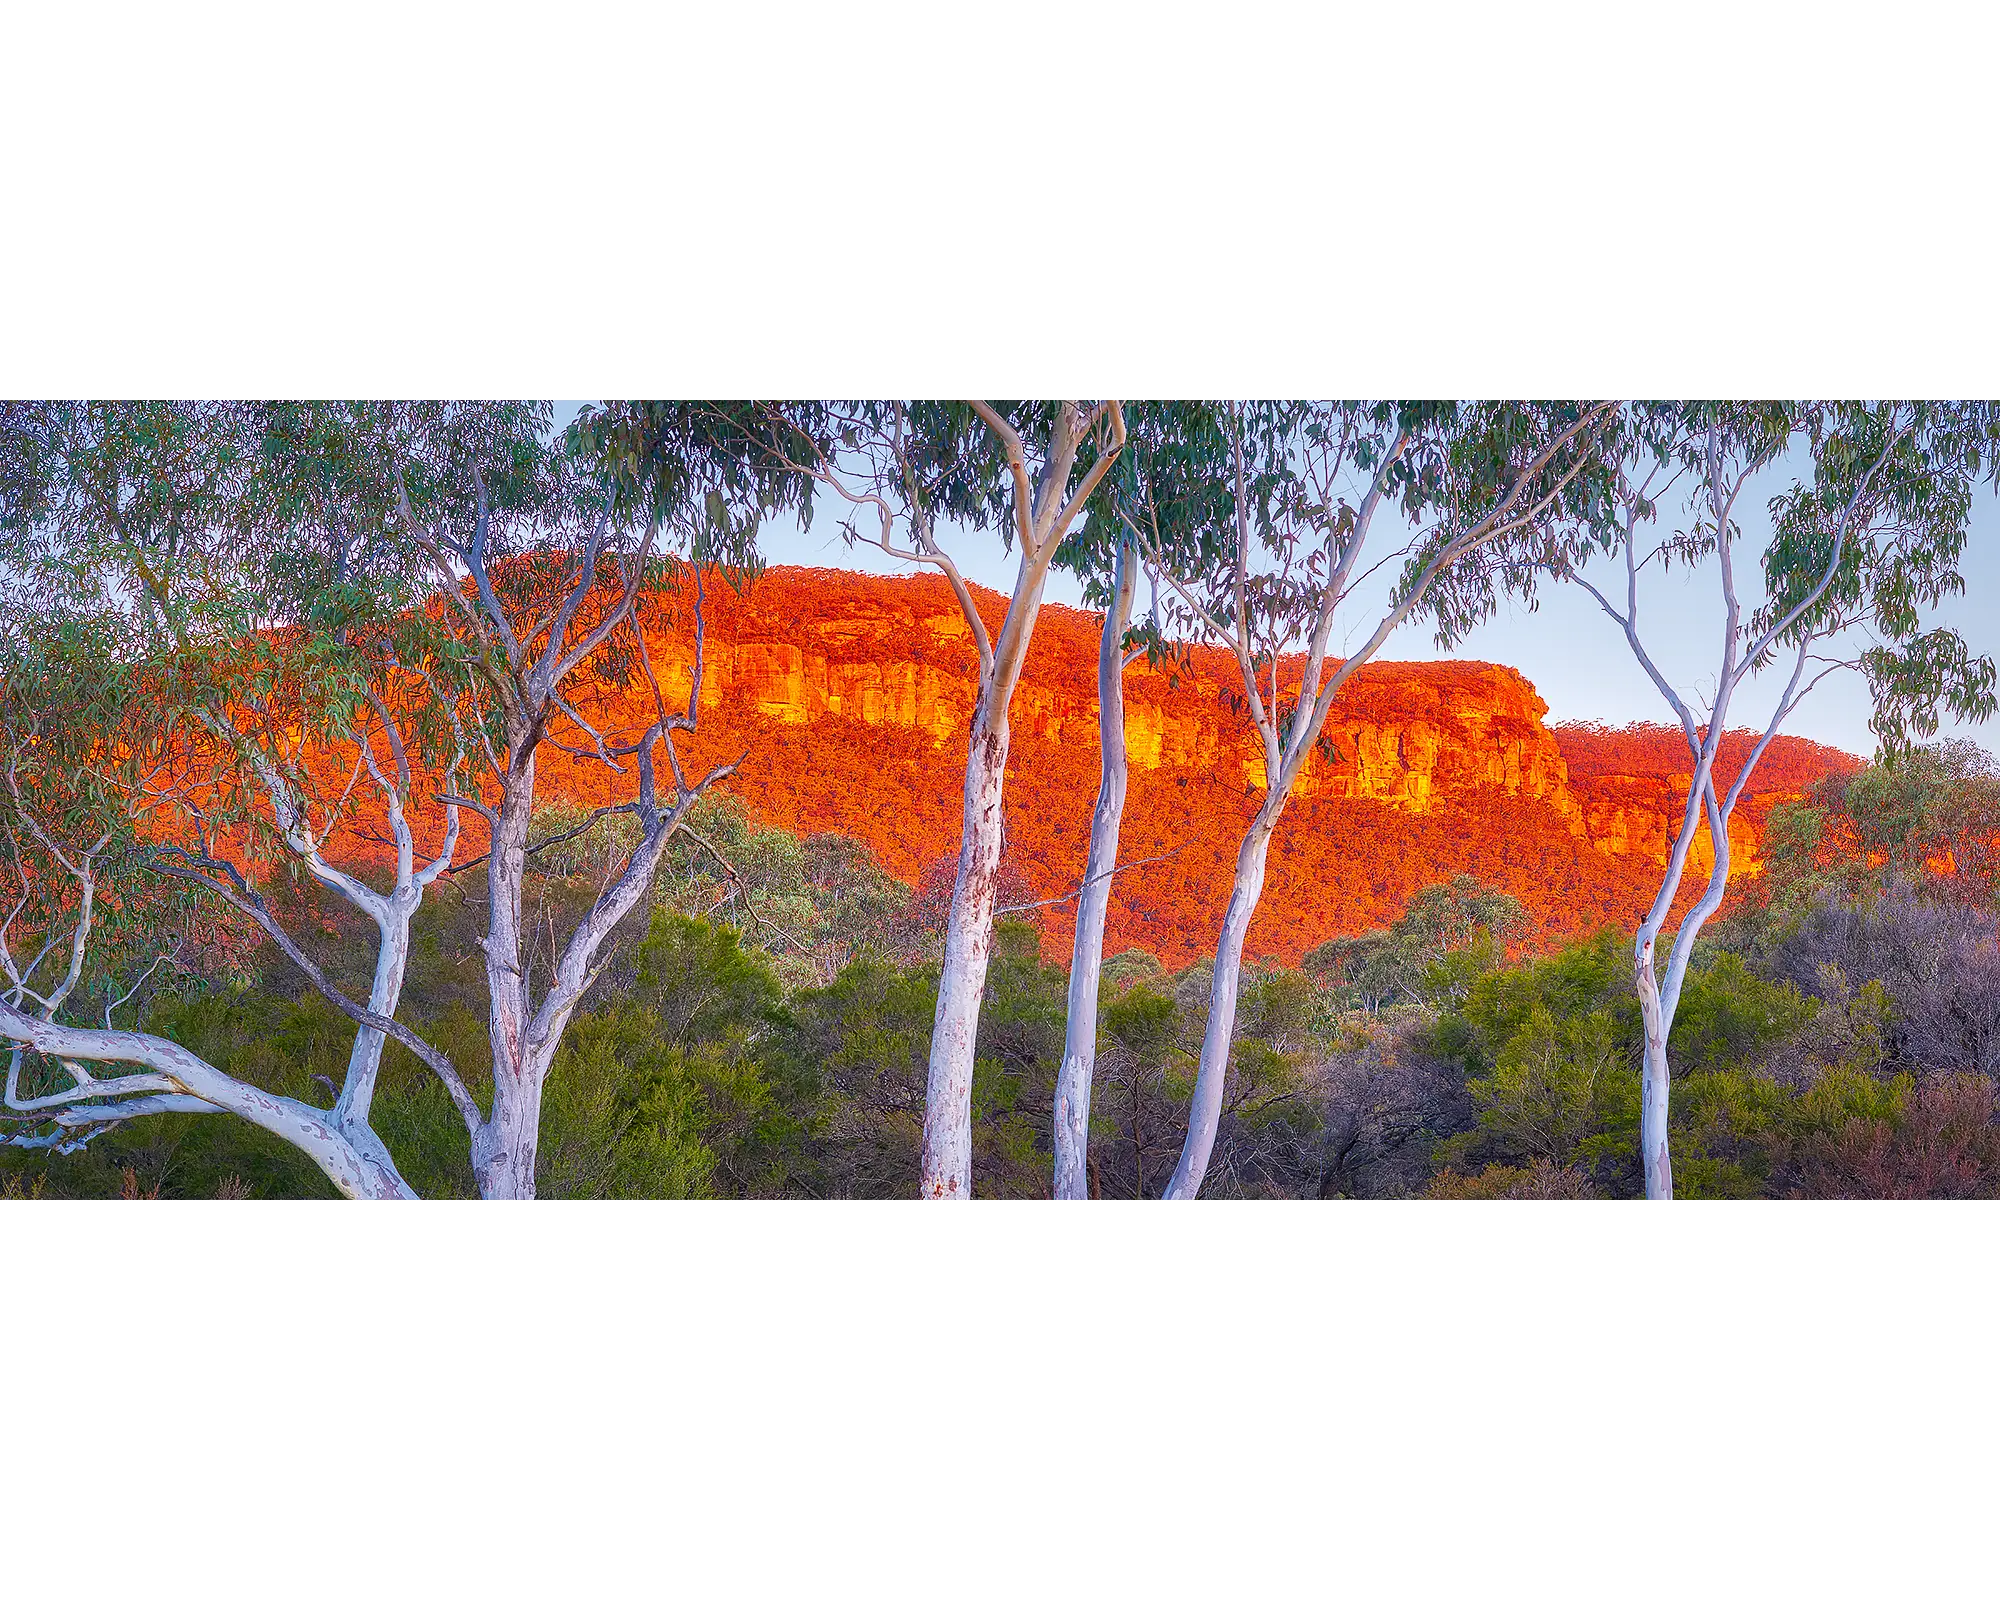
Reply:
x=506, y=1160
x=504, y=1150
x=968, y=948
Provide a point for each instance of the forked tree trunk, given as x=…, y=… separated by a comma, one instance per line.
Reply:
x=946, y=1172
x=1043, y=510
x=1658, y=1002
x=524, y=1035
x=1205, y=1115
x=1073, y=1078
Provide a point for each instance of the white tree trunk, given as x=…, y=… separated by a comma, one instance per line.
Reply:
x=364, y=1062
x=1205, y=1115
x=946, y=1171
x=524, y=1036
x=378, y=1167
x=968, y=948
x=1044, y=506
x=1654, y=1156
x=1073, y=1078
x=506, y=1165
x=503, y=1155
x=1658, y=1004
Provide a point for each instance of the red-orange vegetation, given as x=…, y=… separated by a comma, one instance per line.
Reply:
x=849, y=697
x=1632, y=783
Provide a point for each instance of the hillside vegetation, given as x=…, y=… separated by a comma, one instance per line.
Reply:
x=1840, y=1035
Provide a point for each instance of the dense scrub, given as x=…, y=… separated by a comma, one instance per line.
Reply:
x=765, y=1033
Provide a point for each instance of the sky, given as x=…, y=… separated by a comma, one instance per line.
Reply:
x=1574, y=655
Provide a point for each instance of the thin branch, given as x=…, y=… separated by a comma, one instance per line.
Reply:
x=244, y=898
x=166, y=955
x=1096, y=877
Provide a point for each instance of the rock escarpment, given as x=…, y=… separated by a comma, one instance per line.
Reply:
x=852, y=696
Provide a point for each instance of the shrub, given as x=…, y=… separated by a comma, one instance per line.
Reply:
x=1539, y=1180
x=1940, y=1143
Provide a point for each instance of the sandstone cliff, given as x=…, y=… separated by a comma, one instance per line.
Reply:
x=852, y=696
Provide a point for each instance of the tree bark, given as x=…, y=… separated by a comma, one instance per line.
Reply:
x=1205, y=1115
x=1073, y=1078
x=364, y=1062
x=524, y=1036
x=507, y=1170
x=968, y=948
x=358, y=1168
x=1659, y=1004
x=1654, y=1156
x=503, y=1155
x=1044, y=505
x=946, y=1172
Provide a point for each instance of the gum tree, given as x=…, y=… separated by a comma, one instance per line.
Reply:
x=1163, y=491
x=1868, y=506
x=1072, y=1095
x=163, y=705
x=1021, y=471
x=1309, y=484
x=441, y=587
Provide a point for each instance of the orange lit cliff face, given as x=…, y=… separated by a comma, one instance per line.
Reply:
x=1633, y=785
x=850, y=698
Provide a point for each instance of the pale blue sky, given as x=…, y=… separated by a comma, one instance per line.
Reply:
x=1567, y=647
